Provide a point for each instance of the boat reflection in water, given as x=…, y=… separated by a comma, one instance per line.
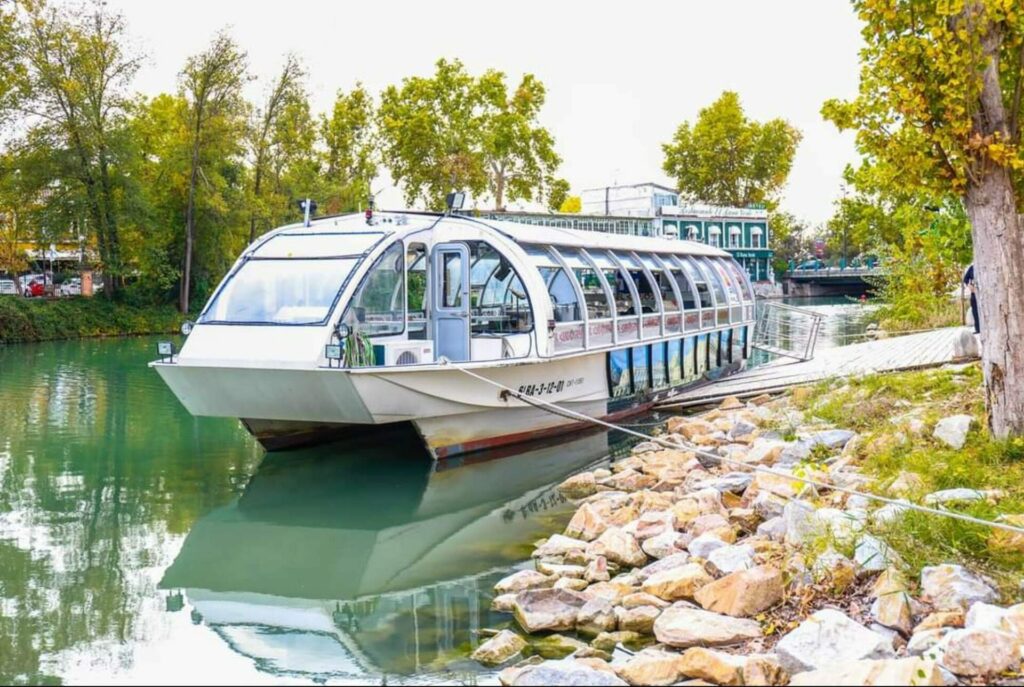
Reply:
x=365, y=563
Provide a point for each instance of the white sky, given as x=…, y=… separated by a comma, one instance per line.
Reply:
x=620, y=76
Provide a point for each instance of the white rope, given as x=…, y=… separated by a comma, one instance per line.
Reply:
x=556, y=409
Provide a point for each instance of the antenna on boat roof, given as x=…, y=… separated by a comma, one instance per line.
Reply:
x=308, y=207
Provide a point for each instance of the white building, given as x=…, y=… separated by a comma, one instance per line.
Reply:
x=636, y=200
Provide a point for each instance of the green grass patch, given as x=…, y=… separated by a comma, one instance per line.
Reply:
x=23, y=319
x=895, y=414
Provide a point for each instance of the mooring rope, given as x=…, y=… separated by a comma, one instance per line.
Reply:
x=571, y=414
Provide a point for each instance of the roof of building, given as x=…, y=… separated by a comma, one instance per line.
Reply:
x=644, y=183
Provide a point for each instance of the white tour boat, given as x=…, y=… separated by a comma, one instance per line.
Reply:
x=347, y=323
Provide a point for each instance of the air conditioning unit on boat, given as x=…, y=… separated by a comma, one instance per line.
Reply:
x=406, y=352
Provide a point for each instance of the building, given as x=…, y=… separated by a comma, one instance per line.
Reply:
x=651, y=209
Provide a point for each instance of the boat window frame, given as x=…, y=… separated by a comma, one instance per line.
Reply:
x=691, y=261
x=666, y=267
x=609, y=295
x=633, y=294
x=249, y=255
x=655, y=289
x=727, y=280
x=405, y=289
x=581, y=299
x=529, y=301
x=713, y=279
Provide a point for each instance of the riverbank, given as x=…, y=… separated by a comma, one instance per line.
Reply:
x=26, y=320
x=721, y=564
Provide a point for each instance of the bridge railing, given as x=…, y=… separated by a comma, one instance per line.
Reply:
x=832, y=272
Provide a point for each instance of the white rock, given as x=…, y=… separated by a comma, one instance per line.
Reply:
x=801, y=523
x=565, y=672
x=500, y=648
x=872, y=554
x=889, y=513
x=952, y=587
x=952, y=430
x=729, y=559
x=827, y=637
x=926, y=642
x=559, y=545
x=773, y=528
x=973, y=652
x=683, y=627
x=983, y=616
x=961, y=495
x=702, y=546
x=665, y=544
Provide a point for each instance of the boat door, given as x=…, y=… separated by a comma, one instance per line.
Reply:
x=451, y=301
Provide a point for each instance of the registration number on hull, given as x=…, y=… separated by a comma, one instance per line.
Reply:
x=554, y=386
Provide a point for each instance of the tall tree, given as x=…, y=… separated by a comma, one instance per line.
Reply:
x=212, y=84
x=352, y=150
x=452, y=129
x=71, y=75
x=286, y=89
x=940, y=101
x=558, y=193
x=727, y=159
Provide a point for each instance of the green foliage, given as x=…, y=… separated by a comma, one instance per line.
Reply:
x=23, y=319
x=558, y=194
x=727, y=159
x=455, y=130
x=351, y=151
x=572, y=204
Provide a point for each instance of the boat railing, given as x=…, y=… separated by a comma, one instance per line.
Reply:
x=787, y=331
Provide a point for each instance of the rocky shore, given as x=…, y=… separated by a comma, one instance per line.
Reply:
x=694, y=567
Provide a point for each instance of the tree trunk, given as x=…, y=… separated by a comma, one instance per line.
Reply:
x=999, y=273
x=499, y=190
x=998, y=257
x=186, y=276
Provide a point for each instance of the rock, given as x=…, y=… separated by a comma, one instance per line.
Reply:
x=565, y=673
x=1005, y=540
x=523, y=580
x=802, y=524
x=889, y=513
x=683, y=627
x=715, y=523
x=579, y=486
x=677, y=583
x=618, y=547
x=508, y=675
x=612, y=591
x=646, y=447
x=556, y=646
x=702, y=546
x=503, y=603
x=596, y=616
x=640, y=619
x=653, y=523
x=873, y=555
x=559, y=545
x=923, y=642
x=1013, y=621
x=773, y=528
x=499, y=649
x=827, y=637
x=607, y=641
x=742, y=430
x=744, y=593
x=667, y=563
x=745, y=519
x=940, y=498
x=972, y=652
x=836, y=568
x=586, y=524
x=597, y=570
x=547, y=609
x=983, y=616
x=665, y=544
x=794, y=453
x=902, y=671
x=907, y=484
x=951, y=587
x=952, y=430
x=717, y=667
x=696, y=504
x=560, y=570
x=832, y=438
x=571, y=583
x=764, y=670
x=690, y=427
x=631, y=481
x=651, y=667
x=729, y=559
x=764, y=452
x=730, y=403
x=894, y=611
x=941, y=619
x=733, y=482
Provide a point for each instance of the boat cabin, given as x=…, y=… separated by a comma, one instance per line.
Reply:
x=413, y=289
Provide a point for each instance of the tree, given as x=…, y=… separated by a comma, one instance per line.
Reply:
x=71, y=77
x=351, y=155
x=454, y=130
x=558, y=192
x=518, y=153
x=940, y=102
x=286, y=90
x=211, y=82
x=726, y=159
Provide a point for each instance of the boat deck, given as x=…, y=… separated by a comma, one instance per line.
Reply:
x=884, y=355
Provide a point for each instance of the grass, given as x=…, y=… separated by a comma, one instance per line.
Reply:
x=23, y=319
x=884, y=408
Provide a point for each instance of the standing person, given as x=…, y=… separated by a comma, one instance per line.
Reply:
x=970, y=284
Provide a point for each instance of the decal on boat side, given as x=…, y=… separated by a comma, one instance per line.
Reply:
x=552, y=387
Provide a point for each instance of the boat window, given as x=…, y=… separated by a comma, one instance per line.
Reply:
x=741, y=279
x=716, y=283
x=564, y=302
x=378, y=308
x=644, y=288
x=497, y=294
x=697, y=276
x=598, y=306
x=322, y=245
x=727, y=277
x=663, y=281
x=451, y=287
x=280, y=292
x=619, y=282
x=416, y=299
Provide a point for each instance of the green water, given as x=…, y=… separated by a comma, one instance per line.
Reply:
x=140, y=544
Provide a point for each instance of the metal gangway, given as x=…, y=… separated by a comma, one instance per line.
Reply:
x=787, y=331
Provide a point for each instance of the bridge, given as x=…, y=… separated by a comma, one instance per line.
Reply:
x=831, y=281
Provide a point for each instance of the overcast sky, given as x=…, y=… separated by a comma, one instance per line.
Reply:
x=621, y=76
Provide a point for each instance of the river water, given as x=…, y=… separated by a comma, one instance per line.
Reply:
x=140, y=544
